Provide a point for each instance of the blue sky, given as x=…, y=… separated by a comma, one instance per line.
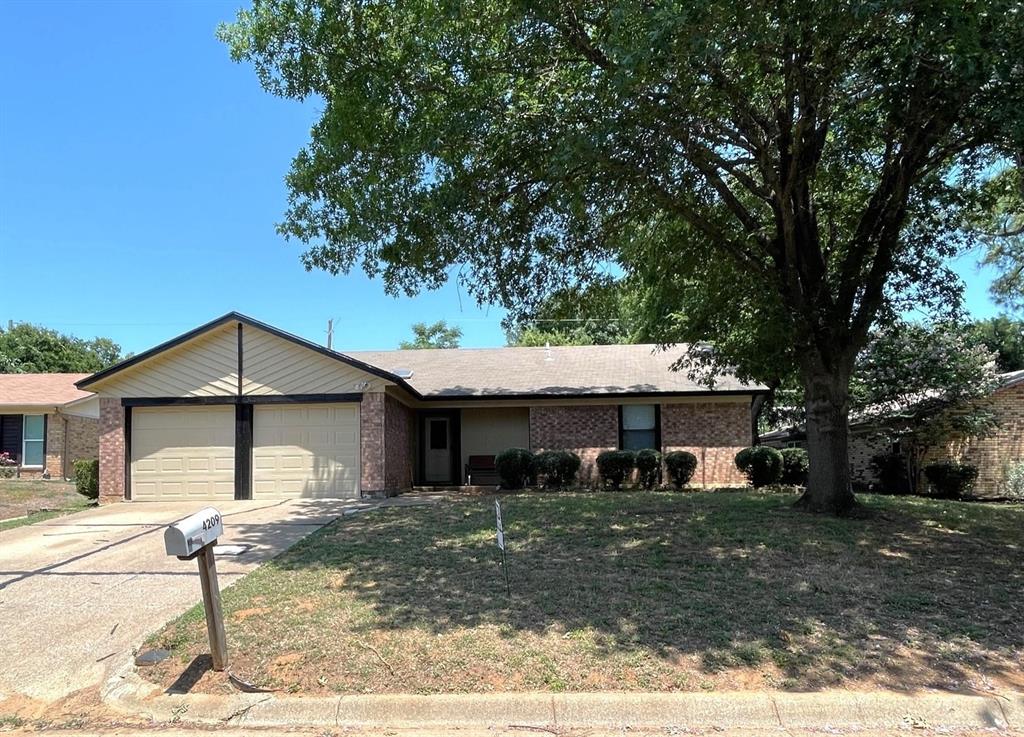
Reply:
x=141, y=174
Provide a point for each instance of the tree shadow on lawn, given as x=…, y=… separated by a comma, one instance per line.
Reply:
x=921, y=594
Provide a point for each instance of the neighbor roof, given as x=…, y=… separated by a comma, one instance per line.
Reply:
x=555, y=371
x=43, y=390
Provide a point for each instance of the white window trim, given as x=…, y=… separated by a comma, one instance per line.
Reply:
x=25, y=440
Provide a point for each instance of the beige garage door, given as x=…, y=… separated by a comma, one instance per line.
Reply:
x=305, y=450
x=183, y=453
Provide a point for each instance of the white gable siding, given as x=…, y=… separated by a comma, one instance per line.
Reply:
x=274, y=366
x=206, y=366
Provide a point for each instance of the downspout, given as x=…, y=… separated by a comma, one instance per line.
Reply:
x=65, y=444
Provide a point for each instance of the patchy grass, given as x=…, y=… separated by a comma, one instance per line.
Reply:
x=630, y=591
x=37, y=498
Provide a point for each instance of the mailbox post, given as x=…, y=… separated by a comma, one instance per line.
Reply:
x=194, y=537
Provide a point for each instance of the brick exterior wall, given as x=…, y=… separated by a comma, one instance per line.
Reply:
x=371, y=443
x=586, y=430
x=993, y=455
x=82, y=442
x=862, y=448
x=111, y=450
x=714, y=432
x=399, y=422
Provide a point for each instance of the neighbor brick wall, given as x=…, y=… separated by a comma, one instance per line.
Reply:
x=862, y=448
x=399, y=421
x=371, y=443
x=714, y=432
x=994, y=454
x=586, y=430
x=111, y=450
x=81, y=442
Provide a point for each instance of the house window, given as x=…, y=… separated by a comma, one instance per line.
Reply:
x=638, y=426
x=33, y=440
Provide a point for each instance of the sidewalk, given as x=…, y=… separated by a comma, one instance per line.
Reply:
x=127, y=692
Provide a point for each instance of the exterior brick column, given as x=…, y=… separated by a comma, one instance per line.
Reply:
x=398, y=446
x=111, y=450
x=371, y=444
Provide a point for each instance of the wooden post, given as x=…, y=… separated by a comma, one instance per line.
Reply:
x=211, y=602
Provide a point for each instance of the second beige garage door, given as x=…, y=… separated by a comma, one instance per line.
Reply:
x=183, y=453
x=305, y=450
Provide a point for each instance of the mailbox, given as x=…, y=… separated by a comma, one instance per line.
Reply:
x=187, y=537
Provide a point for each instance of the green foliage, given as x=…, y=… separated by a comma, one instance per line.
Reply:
x=26, y=348
x=951, y=480
x=999, y=221
x=681, y=465
x=615, y=466
x=558, y=467
x=516, y=468
x=1013, y=480
x=435, y=335
x=1005, y=338
x=648, y=466
x=87, y=478
x=780, y=176
x=795, y=465
x=595, y=314
x=761, y=464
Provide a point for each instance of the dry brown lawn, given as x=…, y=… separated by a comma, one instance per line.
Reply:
x=40, y=499
x=629, y=591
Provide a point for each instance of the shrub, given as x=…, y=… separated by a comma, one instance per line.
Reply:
x=515, y=467
x=648, y=466
x=615, y=466
x=87, y=478
x=891, y=471
x=795, y=466
x=559, y=467
x=1013, y=480
x=761, y=464
x=681, y=465
x=8, y=466
x=951, y=480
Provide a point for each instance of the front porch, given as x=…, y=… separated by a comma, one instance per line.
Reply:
x=453, y=445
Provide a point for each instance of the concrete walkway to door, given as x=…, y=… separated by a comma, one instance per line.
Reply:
x=77, y=593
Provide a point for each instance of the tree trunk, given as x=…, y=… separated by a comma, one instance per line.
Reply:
x=828, y=430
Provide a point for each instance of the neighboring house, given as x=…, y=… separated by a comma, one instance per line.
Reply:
x=994, y=455
x=46, y=423
x=237, y=409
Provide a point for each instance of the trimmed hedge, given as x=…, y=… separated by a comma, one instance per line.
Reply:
x=951, y=480
x=648, y=466
x=87, y=478
x=559, y=468
x=891, y=471
x=615, y=466
x=680, y=464
x=516, y=468
x=795, y=466
x=761, y=464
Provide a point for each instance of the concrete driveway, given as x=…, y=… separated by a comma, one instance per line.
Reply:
x=79, y=592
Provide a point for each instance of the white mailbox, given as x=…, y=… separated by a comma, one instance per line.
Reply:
x=187, y=537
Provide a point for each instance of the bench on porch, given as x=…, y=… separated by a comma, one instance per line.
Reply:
x=481, y=471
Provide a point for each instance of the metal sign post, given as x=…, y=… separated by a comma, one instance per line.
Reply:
x=501, y=545
x=194, y=537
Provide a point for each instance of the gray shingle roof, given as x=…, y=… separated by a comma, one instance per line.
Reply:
x=555, y=371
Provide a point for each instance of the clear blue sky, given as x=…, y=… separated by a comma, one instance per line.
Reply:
x=141, y=174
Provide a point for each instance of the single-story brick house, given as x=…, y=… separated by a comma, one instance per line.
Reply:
x=993, y=454
x=46, y=423
x=237, y=409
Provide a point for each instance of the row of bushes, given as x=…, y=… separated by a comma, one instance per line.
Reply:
x=519, y=467
x=764, y=466
x=946, y=479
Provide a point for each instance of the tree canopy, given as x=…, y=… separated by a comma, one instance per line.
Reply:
x=434, y=335
x=1004, y=337
x=26, y=348
x=777, y=176
x=598, y=314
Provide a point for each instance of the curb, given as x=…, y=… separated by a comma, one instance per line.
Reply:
x=127, y=692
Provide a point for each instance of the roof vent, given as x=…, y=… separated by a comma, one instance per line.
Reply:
x=402, y=373
x=547, y=352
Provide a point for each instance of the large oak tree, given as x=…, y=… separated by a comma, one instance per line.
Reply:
x=807, y=164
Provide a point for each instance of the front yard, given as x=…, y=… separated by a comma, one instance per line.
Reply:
x=38, y=499
x=630, y=591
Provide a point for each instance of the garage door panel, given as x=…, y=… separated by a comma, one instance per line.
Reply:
x=305, y=451
x=183, y=453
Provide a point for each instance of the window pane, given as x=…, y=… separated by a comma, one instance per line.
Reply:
x=637, y=439
x=33, y=427
x=438, y=434
x=33, y=453
x=638, y=417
